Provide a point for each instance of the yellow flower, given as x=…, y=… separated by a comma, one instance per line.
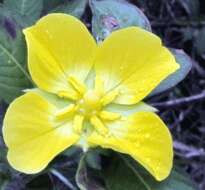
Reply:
x=89, y=95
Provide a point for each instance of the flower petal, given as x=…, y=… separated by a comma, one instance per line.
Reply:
x=58, y=45
x=133, y=61
x=144, y=137
x=32, y=135
x=126, y=110
x=51, y=98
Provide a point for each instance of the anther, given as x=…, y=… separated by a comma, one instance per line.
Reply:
x=69, y=94
x=77, y=84
x=110, y=116
x=110, y=97
x=98, y=125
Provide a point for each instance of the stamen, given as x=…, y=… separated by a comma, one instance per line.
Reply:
x=77, y=84
x=110, y=116
x=98, y=125
x=78, y=123
x=110, y=97
x=65, y=112
x=70, y=94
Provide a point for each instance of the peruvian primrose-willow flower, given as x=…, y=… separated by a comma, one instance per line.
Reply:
x=89, y=95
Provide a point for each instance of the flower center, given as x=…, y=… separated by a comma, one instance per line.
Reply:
x=90, y=104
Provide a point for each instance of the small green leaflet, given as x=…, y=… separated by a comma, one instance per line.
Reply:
x=110, y=15
x=13, y=75
x=28, y=10
x=124, y=173
x=86, y=178
x=74, y=7
x=121, y=172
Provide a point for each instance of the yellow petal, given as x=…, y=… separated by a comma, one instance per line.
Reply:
x=32, y=135
x=134, y=62
x=126, y=110
x=52, y=98
x=59, y=45
x=144, y=137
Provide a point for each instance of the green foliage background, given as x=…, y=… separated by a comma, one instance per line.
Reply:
x=98, y=169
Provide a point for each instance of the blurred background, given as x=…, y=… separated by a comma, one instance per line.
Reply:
x=181, y=25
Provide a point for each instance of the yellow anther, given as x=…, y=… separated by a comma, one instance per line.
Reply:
x=110, y=116
x=78, y=123
x=98, y=125
x=110, y=97
x=69, y=94
x=65, y=112
x=77, y=84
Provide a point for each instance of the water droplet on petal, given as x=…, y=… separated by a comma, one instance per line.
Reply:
x=81, y=101
x=81, y=110
x=123, y=119
x=137, y=145
x=122, y=91
x=94, y=112
x=148, y=159
x=147, y=136
x=48, y=33
x=121, y=68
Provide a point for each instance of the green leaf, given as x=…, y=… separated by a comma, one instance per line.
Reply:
x=29, y=10
x=110, y=15
x=86, y=179
x=119, y=177
x=50, y=4
x=3, y=183
x=93, y=159
x=124, y=173
x=73, y=7
x=185, y=63
x=5, y=12
x=13, y=75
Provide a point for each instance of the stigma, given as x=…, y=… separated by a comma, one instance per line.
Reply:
x=90, y=103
